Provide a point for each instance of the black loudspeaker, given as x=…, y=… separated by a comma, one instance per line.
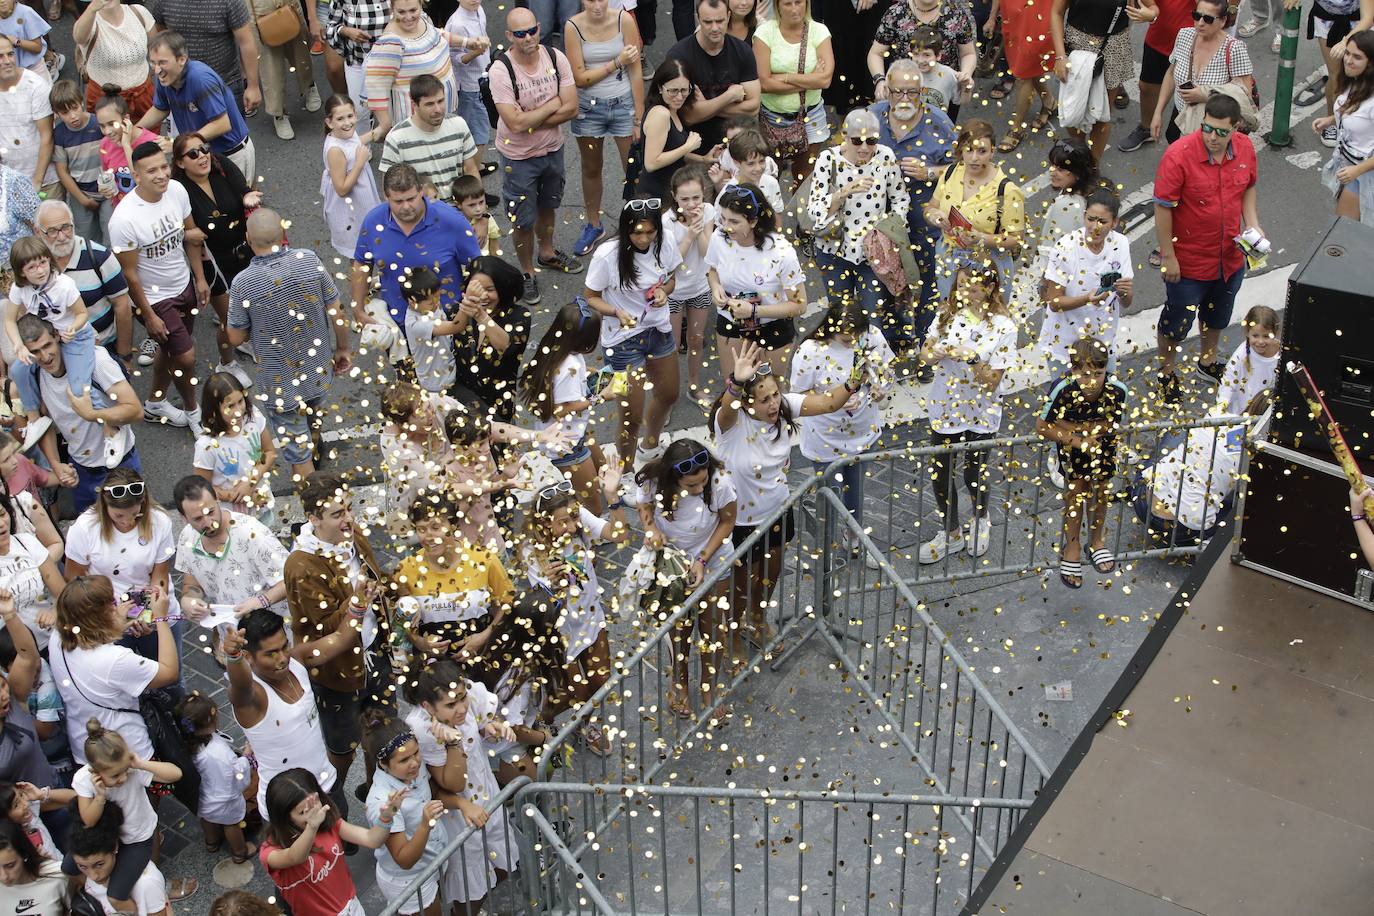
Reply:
x=1328, y=326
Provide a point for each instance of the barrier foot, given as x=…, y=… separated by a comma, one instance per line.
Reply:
x=792, y=649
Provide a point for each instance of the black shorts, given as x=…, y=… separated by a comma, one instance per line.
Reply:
x=341, y=712
x=778, y=535
x=771, y=335
x=1341, y=23
x=1152, y=66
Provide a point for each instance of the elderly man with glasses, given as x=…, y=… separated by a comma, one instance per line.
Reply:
x=922, y=139
x=96, y=273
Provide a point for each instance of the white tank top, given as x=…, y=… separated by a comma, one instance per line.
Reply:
x=289, y=736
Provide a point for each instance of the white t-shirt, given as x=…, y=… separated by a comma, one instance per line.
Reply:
x=1244, y=377
x=435, y=364
x=767, y=272
x=52, y=302
x=569, y=387
x=482, y=709
x=1195, y=478
x=85, y=440
x=140, y=820
x=157, y=231
x=1355, y=129
x=469, y=24
x=757, y=456
x=1076, y=268
x=21, y=573
x=127, y=558
x=693, y=521
x=113, y=677
x=223, y=777
x=580, y=617
x=47, y=895
x=767, y=183
x=636, y=300
x=958, y=402
x=149, y=894
x=691, y=274
x=230, y=458
x=819, y=367
x=20, y=109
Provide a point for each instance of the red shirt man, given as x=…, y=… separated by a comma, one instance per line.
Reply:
x=1204, y=195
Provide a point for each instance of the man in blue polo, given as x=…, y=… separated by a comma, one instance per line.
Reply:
x=402, y=234
x=922, y=138
x=198, y=100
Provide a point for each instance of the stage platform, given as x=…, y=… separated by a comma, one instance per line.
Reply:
x=1241, y=782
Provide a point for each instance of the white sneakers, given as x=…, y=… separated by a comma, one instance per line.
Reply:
x=237, y=371
x=169, y=414
x=282, y=125
x=193, y=422
x=975, y=537
x=312, y=100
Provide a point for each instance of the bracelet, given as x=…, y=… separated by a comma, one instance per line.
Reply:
x=235, y=658
x=850, y=388
x=618, y=504
x=1357, y=518
x=877, y=78
x=263, y=602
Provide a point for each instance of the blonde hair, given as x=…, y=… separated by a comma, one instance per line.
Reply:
x=986, y=276
x=105, y=747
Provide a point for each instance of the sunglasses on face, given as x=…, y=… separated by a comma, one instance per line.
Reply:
x=1203, y=17
x=124, y=490
x=525, y=33
x=641, y=204
x=196, y=152
x=700, y=460
x=1222, y=132
x=864, y=141
x=553, y=489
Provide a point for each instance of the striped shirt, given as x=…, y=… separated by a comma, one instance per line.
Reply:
x=437, y=155
x=79, y=151
x=208, y=27
x=396, y=60
x=282, y=299
x=99, y=279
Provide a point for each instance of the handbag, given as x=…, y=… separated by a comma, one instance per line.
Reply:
x=1101, y=63
x=83, y=903
x=280, y=26
x=789, y=140
x=158, y=709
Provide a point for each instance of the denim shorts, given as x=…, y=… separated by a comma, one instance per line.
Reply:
x=294, y=431
x=575, y=456
x=1208, y=301
x=531, y=185
x=473, y=110
x=817, y=126
x=604, y=117
x=635, y=351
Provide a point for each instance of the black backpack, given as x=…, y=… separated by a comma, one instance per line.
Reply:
x=484, y=81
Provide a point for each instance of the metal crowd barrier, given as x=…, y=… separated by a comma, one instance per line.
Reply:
x=598, y=833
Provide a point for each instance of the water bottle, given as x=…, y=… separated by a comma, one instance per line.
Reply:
x=105, y=182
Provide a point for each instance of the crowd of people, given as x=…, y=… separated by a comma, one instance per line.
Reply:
x=772, y=149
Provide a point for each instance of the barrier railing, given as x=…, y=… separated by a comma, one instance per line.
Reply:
x=983, y=771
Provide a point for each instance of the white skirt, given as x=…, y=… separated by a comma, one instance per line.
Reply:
x=471, y=872
x=393, y=890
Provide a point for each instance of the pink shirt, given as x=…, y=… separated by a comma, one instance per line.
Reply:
x=537, y=86
x=29, y=476
x=112, y=155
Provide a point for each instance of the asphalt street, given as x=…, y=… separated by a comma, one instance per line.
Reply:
x=1293, y=209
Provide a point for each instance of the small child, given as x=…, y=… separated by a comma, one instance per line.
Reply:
x=22, y=475
x=471, y=200
x=114, y=774
x=752, y=163
x=22, y=803
x=1252, y=368
x=235, y=451
x=471, y=57
x=303, y=844
x=40, y=290
x=414, y=452
x=1083, y=415
x=121, y=137
x=28, y=30
x=691, y=221
x=473, y=478
x=417, y=831
x=348, y=187
x=522, y=667
x=225, y=778
x=939, y=82
x=429, y=332
x=76, y=155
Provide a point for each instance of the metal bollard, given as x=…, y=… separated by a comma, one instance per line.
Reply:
x=1280, y=135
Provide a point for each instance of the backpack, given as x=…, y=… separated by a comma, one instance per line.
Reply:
x=484, y=81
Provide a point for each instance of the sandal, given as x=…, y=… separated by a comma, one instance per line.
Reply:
x=1043, y=119
x=1001, y=90
x=213, y=848
x=1012, y=140
x=248, y=854
x=1103, y=560
x=1069, y=571
x=595, y=739
x=1156, y=260
x=680, y=705
x=181, y=888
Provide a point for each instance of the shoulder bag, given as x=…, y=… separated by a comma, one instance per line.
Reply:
x=789, y=140
x=280, y=26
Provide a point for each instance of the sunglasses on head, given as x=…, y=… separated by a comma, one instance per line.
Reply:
x=124, y=490
x=741, y=193
x=196, y=152
x=553, y=489
x=1222, y=132
x=640, y=204
x=1204, y=17
x=864, y=141
x=700, y=460
x=525, y=33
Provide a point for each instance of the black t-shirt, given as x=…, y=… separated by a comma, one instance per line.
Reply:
x=1095, y=16
x=733, y=65
x=490, y=376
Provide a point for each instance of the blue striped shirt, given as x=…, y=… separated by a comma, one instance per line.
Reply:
x=99, y=278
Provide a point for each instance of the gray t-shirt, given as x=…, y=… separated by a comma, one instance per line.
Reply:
x=85, y=440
